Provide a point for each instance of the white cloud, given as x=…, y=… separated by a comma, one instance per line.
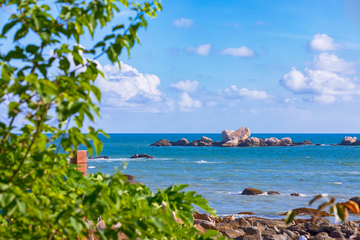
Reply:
x=130, y=89
x=325, y=77
x=325, y=99
x=186, y=86
x=203, y=49
x=186, y=103
x=238, y=52
x=234, y=92
x=331, y=62
x=183, y=23
x=290, y=100
x=322, y=42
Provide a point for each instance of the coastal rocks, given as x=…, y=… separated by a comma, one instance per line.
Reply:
x=226, y=135
x=305, y=142
x=273, y=141
x=231, y=143
x=286, y=141
x=295, y=194
x=129, y=177
x=207, y=141
x=251, y=191
x=273, y=193
x=194, y=143
x=241, y=134
x=142, y=156
x=99, y=157
x=162, y=142
x=181, y=142
x=348, y=140
x=252, y=141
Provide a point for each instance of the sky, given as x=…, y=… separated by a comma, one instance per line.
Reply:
x=205, y=66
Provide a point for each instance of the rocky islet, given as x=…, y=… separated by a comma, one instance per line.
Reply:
x=241, y=138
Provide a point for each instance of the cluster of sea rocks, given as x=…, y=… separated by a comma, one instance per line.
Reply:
x=230, y=138
x=241, y=138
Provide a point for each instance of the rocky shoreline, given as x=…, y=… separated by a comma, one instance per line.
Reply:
x=241, y=138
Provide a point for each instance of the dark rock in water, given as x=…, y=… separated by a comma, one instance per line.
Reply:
x=318, y=144
x=217, y=143
x=273, y=193
x=253, y=141
x=194, y=143
x=99, y=157
x=246, y=213
x=134, y=182
x=273, y=141
x=203, y=144
x=251, y=191
x=162, y=142
x=181, y=142
x=348, y=140
x=295, y=194
x=305, y=142
x=356, y=143
x=142, y=156
x=310, y=211
x=286, y=141
x=129, y=177
x=231, y=143
x=207, y=141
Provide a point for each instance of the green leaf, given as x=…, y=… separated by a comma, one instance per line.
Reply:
x=290, y=216
x=32, y=49
x=8, y=26
x=21, y=33
x=120, y=26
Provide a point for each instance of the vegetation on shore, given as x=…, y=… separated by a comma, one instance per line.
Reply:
x=47, y=82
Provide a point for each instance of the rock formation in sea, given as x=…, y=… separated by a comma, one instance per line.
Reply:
x=142, y=156
x=348, y=141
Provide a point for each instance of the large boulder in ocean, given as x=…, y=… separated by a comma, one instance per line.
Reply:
x=231, y=143
x=348, y=140
x=241, y=134
x=162, y=142
x=251, y=191
x=194, y=143
x=181, y=142
x=207, y=141
x=253, y=141
x=273, y=141
x=142, y=156
x=286, y=141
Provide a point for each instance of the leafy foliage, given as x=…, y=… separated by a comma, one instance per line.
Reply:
x=41, y=195
x=340, y=210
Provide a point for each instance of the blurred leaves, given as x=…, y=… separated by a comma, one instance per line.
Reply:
x=42, y=196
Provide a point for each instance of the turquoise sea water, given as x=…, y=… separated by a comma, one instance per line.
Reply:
x=221, y=174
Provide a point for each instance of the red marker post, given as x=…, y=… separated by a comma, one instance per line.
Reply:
x=80, y=159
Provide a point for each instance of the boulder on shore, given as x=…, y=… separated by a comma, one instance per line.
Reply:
x=252, y=141
x=194, y=143
x=142, y=156
x=181, y=142
x=251, y=191
x=348, y=140
x=162, y=142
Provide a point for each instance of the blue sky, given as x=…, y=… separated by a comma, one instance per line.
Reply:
x=206, y=66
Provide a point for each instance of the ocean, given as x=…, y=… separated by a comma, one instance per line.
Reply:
x=221, y=174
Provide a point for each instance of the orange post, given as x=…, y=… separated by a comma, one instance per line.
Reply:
x=80, y=160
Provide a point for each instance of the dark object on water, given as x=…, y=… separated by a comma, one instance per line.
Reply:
x=251, y=191
x=99, y=157
x=142, y=156
x=295, y=194
x=273, y=193
x=162, y=142
x=246, y=213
